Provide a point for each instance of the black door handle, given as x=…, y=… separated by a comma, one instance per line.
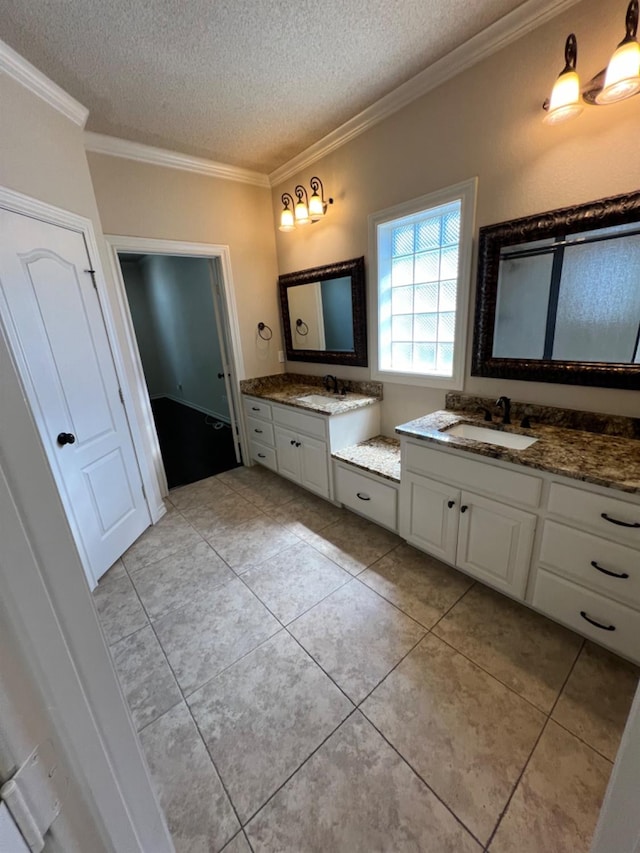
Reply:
x=261, y=456
x=623, y=575
x=259, y=431
x=362, y=497
x=66, y=438
x=619, y=523
x=597, y=624
x=255, y=408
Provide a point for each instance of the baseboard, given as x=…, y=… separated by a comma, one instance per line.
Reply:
x=224, y=418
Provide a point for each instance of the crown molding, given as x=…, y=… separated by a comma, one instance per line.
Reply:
x=23, y=72
x=511, y=27
x=114, y=147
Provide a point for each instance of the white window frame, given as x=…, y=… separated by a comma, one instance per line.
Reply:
x=466, y=192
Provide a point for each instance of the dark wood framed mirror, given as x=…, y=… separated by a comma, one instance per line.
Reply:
x=324, y=314
x=558, y=296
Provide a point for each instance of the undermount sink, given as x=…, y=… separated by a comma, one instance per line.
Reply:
x=321, y=399
x=512, y=440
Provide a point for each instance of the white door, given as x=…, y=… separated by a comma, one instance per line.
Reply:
x=221, y=327
x=495, y=542
x=314, y=474
x=429, y=516
x=54, y=323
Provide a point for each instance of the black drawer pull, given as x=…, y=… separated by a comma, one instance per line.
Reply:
x=607, y=572
x=597, y=624
x=619, y=523
x=258, y=430
x=362, y=497
x=464, y=508
x=255, y=408
x=451, y=504
x=261, y=456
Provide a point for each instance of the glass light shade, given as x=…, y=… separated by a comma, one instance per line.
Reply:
x=622, y=79
x=316, y=207
x=302, y=213
x=565, y=98
x=286, y=220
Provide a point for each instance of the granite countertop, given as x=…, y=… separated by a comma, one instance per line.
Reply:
x=379, y=455
x=288, y=389
x=604, y=460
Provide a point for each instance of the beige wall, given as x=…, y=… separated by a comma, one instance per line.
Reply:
x=485, y=122
x=140, y=200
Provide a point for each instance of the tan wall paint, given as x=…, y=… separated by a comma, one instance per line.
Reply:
x=140, y=200
x=485, y=122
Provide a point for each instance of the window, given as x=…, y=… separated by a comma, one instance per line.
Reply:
x=423, y=252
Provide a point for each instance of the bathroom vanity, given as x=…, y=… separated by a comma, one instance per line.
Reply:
x=294, y=424
x=555, y=524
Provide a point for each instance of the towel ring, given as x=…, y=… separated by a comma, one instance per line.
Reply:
x=299, y=325
x=261, y=328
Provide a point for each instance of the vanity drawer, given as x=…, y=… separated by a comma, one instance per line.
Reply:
x=572, y=552
x=260, y=431
x=476, y=476
x=565, y=601
x=599, y=513
x=263, y=455
x=255, y=409
x=301, y=423
x=377, y=500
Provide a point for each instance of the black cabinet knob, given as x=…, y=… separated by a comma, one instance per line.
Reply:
x=451, y=504
x=464, y=508
x=221, y=376
x=66, y=438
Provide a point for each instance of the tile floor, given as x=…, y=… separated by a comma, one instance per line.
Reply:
x=304, y=681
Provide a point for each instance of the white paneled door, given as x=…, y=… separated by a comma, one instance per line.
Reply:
x=53, y=319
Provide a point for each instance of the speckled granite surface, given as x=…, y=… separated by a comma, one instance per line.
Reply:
x=288, y=388
x=605, y=460
x=551, y=415
x=379, y=455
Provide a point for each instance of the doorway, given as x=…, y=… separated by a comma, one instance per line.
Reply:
x=180, y=324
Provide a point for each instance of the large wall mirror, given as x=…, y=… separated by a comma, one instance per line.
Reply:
x=324, y=314
x=558, y=296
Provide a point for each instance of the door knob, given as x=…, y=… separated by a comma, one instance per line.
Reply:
x=221, y=376
x=66, y=438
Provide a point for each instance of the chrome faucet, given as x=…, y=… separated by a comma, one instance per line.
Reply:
x=328, y=381
x=505, y=404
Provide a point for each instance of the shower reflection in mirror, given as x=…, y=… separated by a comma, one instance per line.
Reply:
x=571, y=298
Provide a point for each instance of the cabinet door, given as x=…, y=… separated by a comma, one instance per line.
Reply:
x=314, y=465
x=429, y=515
x=495, y=542
x=287, y=453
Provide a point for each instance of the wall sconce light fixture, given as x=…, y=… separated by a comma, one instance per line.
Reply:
x=304, y=210
x=620, y=80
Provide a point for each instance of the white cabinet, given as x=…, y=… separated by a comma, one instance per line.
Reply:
x=488, y=539
x=429, y=515
x=298, y=444
x=303, y=459
x=367, y=495
x=490, y=518
x=495, y=542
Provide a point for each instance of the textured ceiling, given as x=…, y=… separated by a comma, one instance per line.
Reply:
x=245, y=82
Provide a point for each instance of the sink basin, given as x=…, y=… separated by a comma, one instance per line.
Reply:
x=320, y=399
x=492, y=436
